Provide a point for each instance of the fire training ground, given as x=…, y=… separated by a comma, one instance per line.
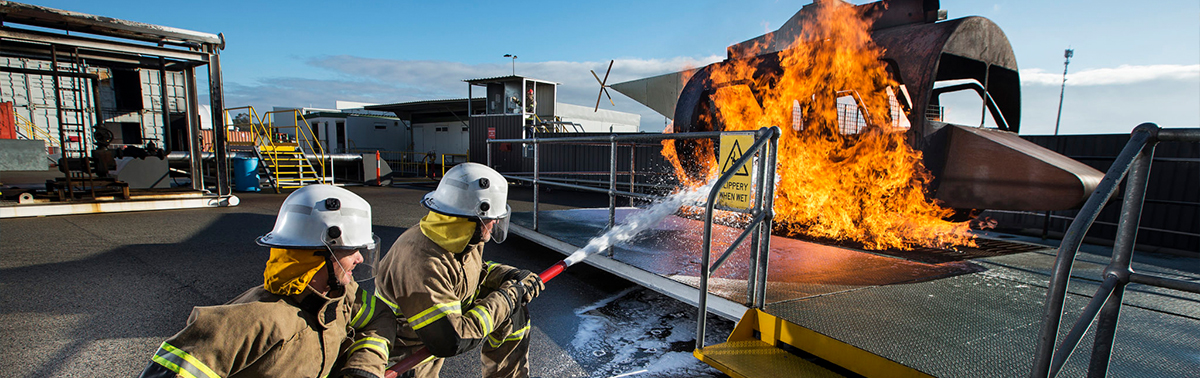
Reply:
x=1008, y=306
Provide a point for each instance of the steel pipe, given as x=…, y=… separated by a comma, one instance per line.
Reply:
x=1131, y=214
x=1170, y=283
x=633, y=137
x=182, y=155
x=1179, y=135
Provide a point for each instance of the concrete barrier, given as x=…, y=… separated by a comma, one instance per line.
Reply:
x=23, y=155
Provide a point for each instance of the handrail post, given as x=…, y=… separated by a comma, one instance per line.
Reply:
x=1127, y=226
x=768, y=175
x=1061, y=272
x=536, y=164
x=632, y=170
x=706, y=243
x=612, y=186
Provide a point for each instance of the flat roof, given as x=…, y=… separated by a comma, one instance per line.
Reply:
x=28, y=14
x=503, y=79
x=428, y=110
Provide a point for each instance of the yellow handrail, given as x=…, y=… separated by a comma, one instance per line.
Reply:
x=262, y=136
x=33, y=132
x=303, y=134
x=451, y=161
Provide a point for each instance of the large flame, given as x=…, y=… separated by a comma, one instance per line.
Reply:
x=844, y=175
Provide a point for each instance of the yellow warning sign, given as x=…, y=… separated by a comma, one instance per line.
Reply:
x=736, y=192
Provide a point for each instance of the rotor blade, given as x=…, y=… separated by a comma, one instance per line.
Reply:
x=597, y=78
x=598, y=100
x=605, y=90
x=602, y=83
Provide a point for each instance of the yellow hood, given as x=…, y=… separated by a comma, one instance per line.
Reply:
x=449, y=232
x=290, y=270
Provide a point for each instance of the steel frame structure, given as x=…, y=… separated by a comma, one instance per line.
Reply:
x=126, y=44
x=1133, y=166
x=758, y=229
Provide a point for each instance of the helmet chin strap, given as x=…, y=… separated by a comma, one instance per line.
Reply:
x=331, y=261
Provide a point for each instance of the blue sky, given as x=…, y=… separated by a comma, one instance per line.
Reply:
x=1133, y=62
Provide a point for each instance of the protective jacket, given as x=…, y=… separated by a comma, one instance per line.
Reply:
x=448, y=301
x=260, y=334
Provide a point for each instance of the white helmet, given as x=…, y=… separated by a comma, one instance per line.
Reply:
x=473, y=190
x=326, y=217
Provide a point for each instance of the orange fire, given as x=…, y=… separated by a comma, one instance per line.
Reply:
x=843, y=174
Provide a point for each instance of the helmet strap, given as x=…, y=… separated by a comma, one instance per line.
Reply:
x=478, y=236
x=330, y=262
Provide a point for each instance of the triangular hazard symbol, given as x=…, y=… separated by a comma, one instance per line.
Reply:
x=735, y=153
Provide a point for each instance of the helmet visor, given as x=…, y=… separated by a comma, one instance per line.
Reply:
x=364, y=270
x=500, y=229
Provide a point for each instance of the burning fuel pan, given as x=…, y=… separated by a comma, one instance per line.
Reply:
x=969, y=312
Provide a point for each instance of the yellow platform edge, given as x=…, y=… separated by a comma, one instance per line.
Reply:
x=774, y=330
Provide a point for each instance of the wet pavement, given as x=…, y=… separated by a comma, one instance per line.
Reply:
x=673, y=247
x=95, y=295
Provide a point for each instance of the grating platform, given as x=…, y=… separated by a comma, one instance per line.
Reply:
x=966, y=313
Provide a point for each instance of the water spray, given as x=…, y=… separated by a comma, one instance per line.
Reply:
x=633, y=225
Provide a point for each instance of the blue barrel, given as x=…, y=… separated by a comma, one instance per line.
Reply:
x=245, y=174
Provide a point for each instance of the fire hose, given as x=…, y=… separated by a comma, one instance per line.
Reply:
x=421, y=354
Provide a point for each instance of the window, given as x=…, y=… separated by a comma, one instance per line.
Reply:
x=131, y=133
x=380, y=126
x=127, y=87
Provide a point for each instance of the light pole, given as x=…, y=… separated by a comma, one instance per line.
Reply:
x=514, y=62
x=1067, y=54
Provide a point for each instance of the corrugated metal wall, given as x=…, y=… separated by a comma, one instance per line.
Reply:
x=33, y=97
x=1171, y=213
x=506, y=157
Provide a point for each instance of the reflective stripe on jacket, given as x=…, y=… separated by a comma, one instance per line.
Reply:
x=260, y=334
x=432, y=292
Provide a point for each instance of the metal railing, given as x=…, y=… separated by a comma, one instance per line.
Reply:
x=766, y=142
x=28, y=130
x=267, y=134
x=455, y=159
x=614, y=141
x=1132, y=165
x=303, y=134
x=762, y=213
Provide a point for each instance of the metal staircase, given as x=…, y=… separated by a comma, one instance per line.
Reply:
x=290, y=156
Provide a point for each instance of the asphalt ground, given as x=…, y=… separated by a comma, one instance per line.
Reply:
x=95, y=295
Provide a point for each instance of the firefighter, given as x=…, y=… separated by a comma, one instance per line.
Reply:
x=444, y=295
x=309, y=309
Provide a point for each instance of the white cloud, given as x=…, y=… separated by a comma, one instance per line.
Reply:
x=1124, y=74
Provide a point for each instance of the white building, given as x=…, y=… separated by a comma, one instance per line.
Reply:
x=347, y=130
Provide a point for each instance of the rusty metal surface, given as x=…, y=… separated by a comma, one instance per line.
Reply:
x=35, y=15
x=992, y=169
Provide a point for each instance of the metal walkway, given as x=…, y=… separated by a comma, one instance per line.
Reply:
x=974, y=317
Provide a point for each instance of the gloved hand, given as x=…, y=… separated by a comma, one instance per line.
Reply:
x=514, y=291
x=533, y=284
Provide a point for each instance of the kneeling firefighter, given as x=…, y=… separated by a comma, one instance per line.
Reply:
x=309, y=310
x=444, y=295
